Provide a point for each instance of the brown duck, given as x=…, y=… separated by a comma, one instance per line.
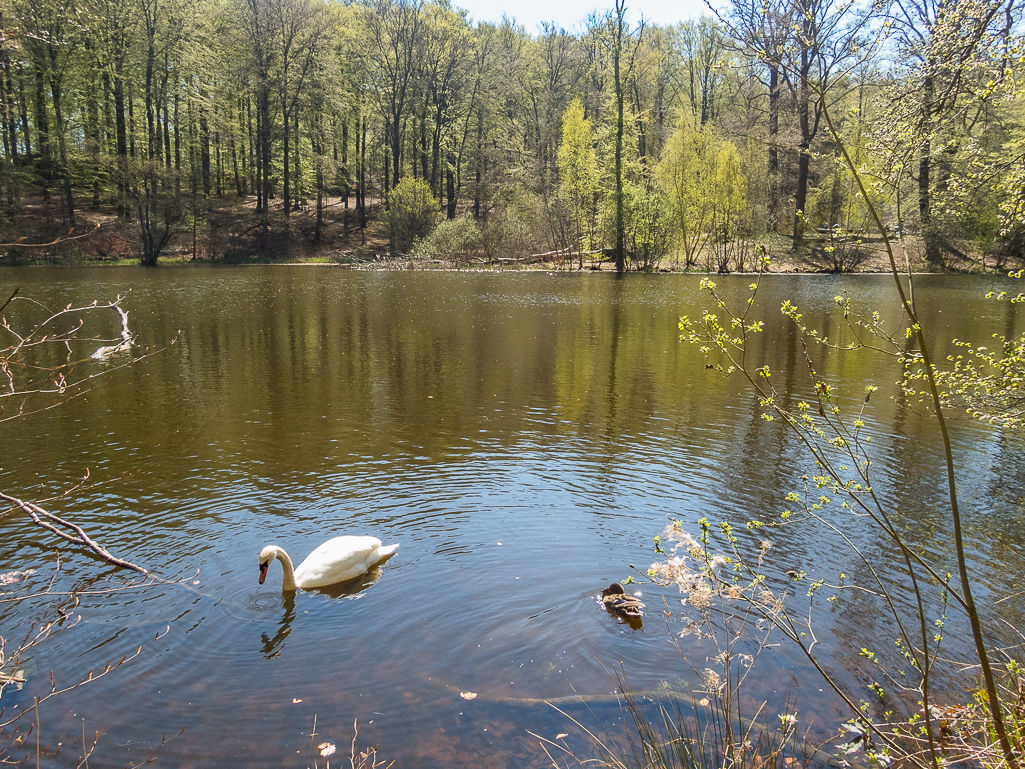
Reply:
x=615, y=599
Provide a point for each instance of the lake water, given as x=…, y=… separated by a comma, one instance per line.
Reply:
x=522, y=436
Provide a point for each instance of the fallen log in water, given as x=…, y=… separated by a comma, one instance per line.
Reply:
x=570, y=699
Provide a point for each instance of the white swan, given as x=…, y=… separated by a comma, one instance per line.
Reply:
x=337, y=560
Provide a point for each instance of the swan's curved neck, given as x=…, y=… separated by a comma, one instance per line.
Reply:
x=288, y=583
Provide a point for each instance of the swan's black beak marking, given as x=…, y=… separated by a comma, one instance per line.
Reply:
x=263, y=572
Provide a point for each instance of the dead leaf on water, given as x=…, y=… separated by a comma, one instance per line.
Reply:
x=467, y=695
x=296, y=701
x=561, y=735
x=703, y=702
x=325, y=749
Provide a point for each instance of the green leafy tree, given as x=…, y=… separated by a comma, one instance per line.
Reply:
x=707, y=192
x=412, y=213
x=650, y=221
x=621, y=45
x=728, y=209
x=578, y=176
x=684, y=170
x=957, y=63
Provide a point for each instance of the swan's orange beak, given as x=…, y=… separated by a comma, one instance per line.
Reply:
x=263, y=572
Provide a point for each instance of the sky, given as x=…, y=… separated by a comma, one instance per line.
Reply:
x=571, y=14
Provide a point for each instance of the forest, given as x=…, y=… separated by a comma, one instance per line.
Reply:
x=238, y=129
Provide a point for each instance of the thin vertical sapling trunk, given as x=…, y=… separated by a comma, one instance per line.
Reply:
x=908, y=304
x=728, y=334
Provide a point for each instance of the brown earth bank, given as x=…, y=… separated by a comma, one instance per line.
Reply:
x=36, y=231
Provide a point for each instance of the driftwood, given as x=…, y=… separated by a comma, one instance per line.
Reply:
x=556, y=252
x=127, y=338
x=47, y=520
x=563, y=252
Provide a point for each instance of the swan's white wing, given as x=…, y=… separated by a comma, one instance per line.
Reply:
x=338, y=560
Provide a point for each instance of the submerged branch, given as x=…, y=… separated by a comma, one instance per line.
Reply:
x=47, y=520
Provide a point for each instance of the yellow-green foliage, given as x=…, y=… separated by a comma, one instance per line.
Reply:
x=987, y=382
x=578, y=173
x=728, y=193
x=412, y=213
x=707, y=191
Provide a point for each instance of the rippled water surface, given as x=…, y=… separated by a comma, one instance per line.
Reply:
x=521, y=436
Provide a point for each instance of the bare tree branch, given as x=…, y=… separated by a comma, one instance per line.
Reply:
x=42, y=518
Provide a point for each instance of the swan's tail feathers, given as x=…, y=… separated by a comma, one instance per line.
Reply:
x=384, y=552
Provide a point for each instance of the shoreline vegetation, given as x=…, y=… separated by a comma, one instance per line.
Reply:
x=230, y=237
x=406, y=133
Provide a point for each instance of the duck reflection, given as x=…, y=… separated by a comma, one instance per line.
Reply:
x=623, y=606
x=635, y=623
x=273, y=645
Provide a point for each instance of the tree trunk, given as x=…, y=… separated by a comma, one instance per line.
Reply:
x=396, y=146
x=43, y=135
x=233, y=151
x=478, y=165
x=620, y=218
x=62, y=147
x=436, y=147
x=265, y=152
x=167, y=119
x=933, y=253
x=318, y=159
x=121, y=131
x=450, y=175
x=257, y=141
x=774, y=186
x=93, y=132
x=297, y=174
x=346, y=177
x=23, y=101
x=286, y=190
x=151, y=127
x=250, y=170
x=130, y=99
x=204, y=144
x=177, y=146
x=421, y=149
x=361, y=203
x=642, y=141
x=804, y=155
x=10, y=109
x=220, y=164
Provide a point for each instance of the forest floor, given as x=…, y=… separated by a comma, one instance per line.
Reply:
x=39, y=232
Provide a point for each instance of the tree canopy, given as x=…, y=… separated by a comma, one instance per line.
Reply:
x=614, y=137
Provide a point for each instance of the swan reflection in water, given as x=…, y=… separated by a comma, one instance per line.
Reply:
x=353, y=589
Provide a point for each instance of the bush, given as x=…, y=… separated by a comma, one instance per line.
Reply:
x=844, y=251
x=521, y=226
x=412, y=215
x=458, y=238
